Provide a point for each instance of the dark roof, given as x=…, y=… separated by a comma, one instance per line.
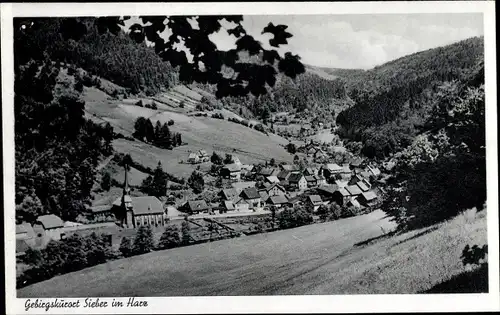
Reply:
x=50, y=221
x=229, y=194
x=328, y=189
x=369, y=195
x=232, y=167
x=269, y=187
x=144, y=205
x=196, y=205
x=310, y=178
x=263, y=195
x=283, y=174
x=294, y=178
x=25, y=228
x=277, y=200
x=353, y=190
x=250, y=193
x=266, y=171
x=314, y=199
x=362, y=186
x=229, y=205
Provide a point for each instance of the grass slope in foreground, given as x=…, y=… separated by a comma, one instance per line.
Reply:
x=314, y=259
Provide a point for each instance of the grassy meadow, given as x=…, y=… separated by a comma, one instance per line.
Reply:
x=349, y=256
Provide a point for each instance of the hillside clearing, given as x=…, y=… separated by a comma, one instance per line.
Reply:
x=314, y=259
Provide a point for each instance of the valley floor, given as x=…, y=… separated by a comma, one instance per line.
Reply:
x=329, y=258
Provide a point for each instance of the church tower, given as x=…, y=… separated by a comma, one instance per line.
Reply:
x=126, y=202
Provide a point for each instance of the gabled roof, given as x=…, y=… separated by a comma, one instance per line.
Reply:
x=283, y=174
x=346, y=169
x=328, y=189
x=289, y=167
x=232, y=167
x=343, y=192
x=21, y=246
x=266, y=171
x=228, y=194
x=355, y=203
x=333, y=167
x=365, y=174
x=263, y=195
x=193, y=156
x=25, y=228
x=309, y=171
x=271, y=186
x=50, y=221
x=369, y=195
x=273, y=179
x=250, y=193
x=277, y=200
x=362, y=186
x=202, y=153
x=310, y=178
x=374, y=170
x=295, y=178
x=341, y=183
x=197, y=205
x=315, y=199
x=242, y=185
x=229, y=205
x=353, y=190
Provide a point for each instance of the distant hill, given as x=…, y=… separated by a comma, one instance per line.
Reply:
x=393, y=101
x=334, y=73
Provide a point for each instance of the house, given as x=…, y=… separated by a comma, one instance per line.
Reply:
x=311, y=181
x=203, y=156
x=50, y=225
x=193, y=158
x=320, y=180
x=132, y=212
x=283, y=175
x=319, y=155
x=231, y=171
x=346, y=172
x=237, y=161
x=268, y=171
x=368, y=199
x=272, y=179
x=241, y=205
x=251, y=196
x=24, y=231
x=353, y=190
x=292, y=168
x=309, y=171
x=195, y=206
x=327, y=191
x=331, y=169
x=341, y=196
x=263, y=195
x=240, y=186
x=354, y=203
x=277, y=201
x=356, y=163
x=359, y=179
x=227, y=206
x=102, y=213
x=297, y=181
x=274, y=190
x=228, y=194
x=363, y=186
x=314, y=201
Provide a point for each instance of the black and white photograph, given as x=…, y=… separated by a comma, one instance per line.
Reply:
x=156, y=154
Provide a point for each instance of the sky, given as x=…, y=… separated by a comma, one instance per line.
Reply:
x=360, y=41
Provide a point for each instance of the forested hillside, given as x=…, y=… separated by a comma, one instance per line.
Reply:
x=394, y=101
x=114, y=57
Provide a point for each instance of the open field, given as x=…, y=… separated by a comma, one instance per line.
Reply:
x=328, y=258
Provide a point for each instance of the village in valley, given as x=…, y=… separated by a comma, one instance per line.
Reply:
x=237, y=199
x=143, y=171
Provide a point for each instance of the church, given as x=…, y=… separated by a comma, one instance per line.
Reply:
x=132, y=212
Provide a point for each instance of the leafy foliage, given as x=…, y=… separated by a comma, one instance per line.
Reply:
x=170, y=238
x=143, y=240
x=196, y=182
x=186, y=233
x=155, y=185
x=293, y=217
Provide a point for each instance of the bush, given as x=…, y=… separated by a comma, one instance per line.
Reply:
x=290, y=218
x=139, y=103
x=170, y=122
x=154, y=106
x=126, y=247
x=170, y=238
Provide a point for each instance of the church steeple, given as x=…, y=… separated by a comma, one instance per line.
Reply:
x=126, y=189
x=126, y=200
